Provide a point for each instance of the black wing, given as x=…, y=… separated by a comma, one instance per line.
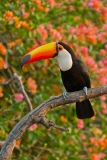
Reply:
x=84, y=74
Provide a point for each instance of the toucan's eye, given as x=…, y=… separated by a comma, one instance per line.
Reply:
x=60, y=48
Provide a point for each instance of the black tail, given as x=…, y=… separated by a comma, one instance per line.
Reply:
x=84, y=109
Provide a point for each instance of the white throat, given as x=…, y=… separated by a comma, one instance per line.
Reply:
x=65, y=60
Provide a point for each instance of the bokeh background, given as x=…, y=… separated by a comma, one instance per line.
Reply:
x=25, y=25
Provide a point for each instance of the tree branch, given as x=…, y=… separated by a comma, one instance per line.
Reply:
x=21, y=87
x=38, y=116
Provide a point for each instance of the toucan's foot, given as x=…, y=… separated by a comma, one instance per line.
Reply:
x=85, y=90
x=64, y=95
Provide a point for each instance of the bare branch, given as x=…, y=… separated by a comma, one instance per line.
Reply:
x=21, y=87
x=38, y=116
x=8, y=81
x=48, y=124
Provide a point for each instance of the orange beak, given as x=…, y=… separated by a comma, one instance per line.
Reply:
x=43, y=52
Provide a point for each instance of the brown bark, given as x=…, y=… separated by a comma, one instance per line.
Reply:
x=38, y=116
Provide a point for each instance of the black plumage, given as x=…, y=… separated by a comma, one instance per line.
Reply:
x=75, y=79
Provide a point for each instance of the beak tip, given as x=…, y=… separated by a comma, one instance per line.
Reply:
x=25, y=59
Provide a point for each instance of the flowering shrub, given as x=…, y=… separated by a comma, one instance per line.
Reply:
x=25, y=25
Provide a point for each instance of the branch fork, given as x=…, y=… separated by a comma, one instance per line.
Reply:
x=49, y=123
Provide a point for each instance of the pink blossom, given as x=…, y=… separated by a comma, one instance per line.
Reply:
x=90, y=62
x=41, y=26
x=106, y=47
x=33, y=127
x=94, y=4
x=25, y=15
x=101, y=37
x=58, y=36
x=6, y=65
x=49, y=26
x=104, y=10
x=51, y=3
x=101, y=64
x=82, y=29
x=80, y=124
x=101, y=155
x=81, y=26
x=90, y=4
x=83, y=136
x=75, y=45
x=103, y=105
x=103, y=79
x=104, y=111
x=105, y=27
x=84, y=50
x=103, y=98
x=103, y=52
x=41, y=41
x=41, y=29
x=44, y=33
x=18, y=97
x=55, y=34
x=72, y=30
x=104, y=61
x=78, y=53
x=92, y=140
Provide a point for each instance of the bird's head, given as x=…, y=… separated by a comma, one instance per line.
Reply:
x=46, y=51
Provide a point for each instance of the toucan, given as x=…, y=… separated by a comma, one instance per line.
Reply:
x=74, y=73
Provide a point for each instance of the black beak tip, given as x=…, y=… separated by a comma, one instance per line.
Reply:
x=25, y=59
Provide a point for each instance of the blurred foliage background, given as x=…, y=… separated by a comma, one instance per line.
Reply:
x=25, y=25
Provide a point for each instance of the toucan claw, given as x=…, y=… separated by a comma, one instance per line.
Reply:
x=64, y=95
x=85, y=90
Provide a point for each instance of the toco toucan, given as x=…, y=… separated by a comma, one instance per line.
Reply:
x=73, y=71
